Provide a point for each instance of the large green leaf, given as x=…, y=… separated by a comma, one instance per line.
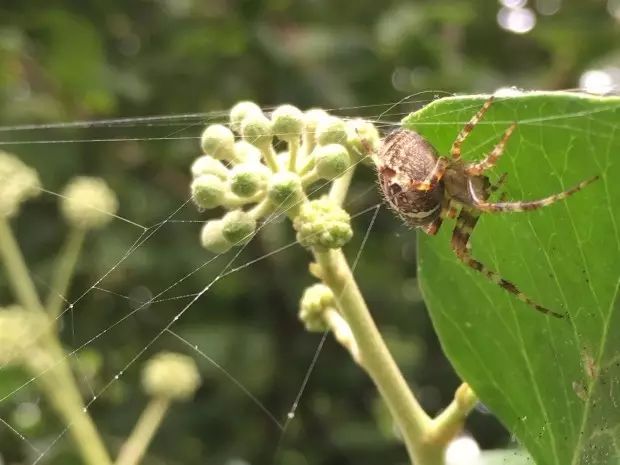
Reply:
x=554, y=382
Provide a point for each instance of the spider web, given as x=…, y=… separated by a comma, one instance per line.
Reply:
x=174, y=128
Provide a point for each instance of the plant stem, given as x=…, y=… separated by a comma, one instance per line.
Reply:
x=293, y=150
x=16, y=269
x=269, y=155
x=340, y=187
x=64, y=271
x=58, y=384
x=414, y=423
x=56, y=378
x=133, y=449
x=449, y=422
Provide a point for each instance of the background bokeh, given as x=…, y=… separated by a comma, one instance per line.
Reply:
x=89, y=60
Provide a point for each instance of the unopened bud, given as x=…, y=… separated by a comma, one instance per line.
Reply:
x=88, y=203
x=218, y=141
x=332, y=160
x=212, y=237
x=18, y=182
x=331, y=130
x=208, y=191
x=238, y=227
x=257, y=129
x=240, y=111
x=206, y=164
x=247, y=179
x=170, y=376
x=288, y=122
x=314, y=302
x=285, y=190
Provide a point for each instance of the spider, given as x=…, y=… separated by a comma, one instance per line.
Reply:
x=424, y=188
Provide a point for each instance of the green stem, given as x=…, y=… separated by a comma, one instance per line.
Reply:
x=269, y=155
x=133, y=450
x=56, y=380
x=293, y=150
x=58, y=385
x=450, y=422
x=414, y=423
x=309, y=178
x=63, y=272
x=16, y=269
x=340, y=187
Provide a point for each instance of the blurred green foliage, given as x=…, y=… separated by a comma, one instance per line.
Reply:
x=88, y=60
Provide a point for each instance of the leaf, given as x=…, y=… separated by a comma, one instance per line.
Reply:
x=503, y=457
x=554, y=382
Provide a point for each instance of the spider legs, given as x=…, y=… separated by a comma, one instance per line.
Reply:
x=475, y=169
x=484, y=206
x=455, y=151
x=465, y=224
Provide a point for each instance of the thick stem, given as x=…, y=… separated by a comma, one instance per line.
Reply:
x=414, y=423
x=16, y=269
x=63, y=272
x=135, y=447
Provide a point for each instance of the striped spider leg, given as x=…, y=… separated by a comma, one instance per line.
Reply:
x=425, y=188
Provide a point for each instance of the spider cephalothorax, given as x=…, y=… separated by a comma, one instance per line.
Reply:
x=424, y=188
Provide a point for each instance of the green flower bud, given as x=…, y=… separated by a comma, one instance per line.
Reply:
x=88, y=203
x=212, y=237
x=332, y=160
x=285, y=190
x=238, y=227
x=209, y=165
x=314, y=302
x=362, y=139
x=18, y=182
x=247, y=179
x=312, y=119
x=288, y=122
x=247, y=153
x=257, y=129
x=331, y=130
x=322, y=224
x=218, y=141
x=19, y=332
x=240, y=111
x=170, y=376
x=208, y=191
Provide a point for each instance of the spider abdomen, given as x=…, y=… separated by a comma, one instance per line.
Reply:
x=405, y=160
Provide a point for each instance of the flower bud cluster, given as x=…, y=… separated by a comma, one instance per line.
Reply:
x=170, y=376
x=18, y=182
x=20, y=331
x=314, y=303
x=322, y=224
x=242, y=172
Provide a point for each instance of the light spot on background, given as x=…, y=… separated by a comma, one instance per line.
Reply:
x=517, y=20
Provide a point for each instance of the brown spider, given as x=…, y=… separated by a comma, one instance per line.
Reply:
x=424, y=188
